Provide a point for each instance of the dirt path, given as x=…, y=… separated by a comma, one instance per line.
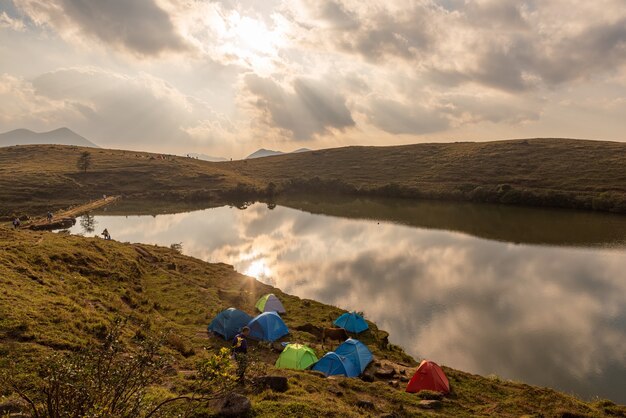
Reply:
x=62, y=218
x=81, y=209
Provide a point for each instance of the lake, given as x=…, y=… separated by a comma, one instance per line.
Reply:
x=531, y=295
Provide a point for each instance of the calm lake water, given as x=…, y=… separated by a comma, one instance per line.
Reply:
x=532, y=295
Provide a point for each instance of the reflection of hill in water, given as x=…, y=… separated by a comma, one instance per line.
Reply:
x=496, y=222
x=134, y=207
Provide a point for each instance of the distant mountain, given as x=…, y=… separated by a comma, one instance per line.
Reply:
x=61, y=136
x=268, y=153
x=263, y=153
x=207, y=157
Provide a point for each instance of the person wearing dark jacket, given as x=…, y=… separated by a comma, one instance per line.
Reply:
x=240, y=352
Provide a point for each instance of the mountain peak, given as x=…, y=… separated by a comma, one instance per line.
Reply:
x=60, y=136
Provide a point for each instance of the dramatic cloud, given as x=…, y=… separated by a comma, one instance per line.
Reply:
x=398, y=118
x=129, y=112
x=311, y=109
x=139, y=26
x=249, y=74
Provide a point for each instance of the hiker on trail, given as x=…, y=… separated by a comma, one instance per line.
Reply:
x=16, y=223
x=240, y=352
x=49, y=217
x=106, y=234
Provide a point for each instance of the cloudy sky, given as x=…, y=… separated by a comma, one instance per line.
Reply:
x=227, y=77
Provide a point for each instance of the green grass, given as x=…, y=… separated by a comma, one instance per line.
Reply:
x=60, y=292
x=539, y=172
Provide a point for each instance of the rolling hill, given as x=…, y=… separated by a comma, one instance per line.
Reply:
x=260, y=153
x=61, y=136
x=544, y=172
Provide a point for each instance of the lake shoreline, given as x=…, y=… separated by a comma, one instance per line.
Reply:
x=139, y=266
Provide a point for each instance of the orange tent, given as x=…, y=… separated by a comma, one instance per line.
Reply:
x=428, y=376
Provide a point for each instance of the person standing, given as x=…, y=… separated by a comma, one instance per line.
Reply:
x=240, y=352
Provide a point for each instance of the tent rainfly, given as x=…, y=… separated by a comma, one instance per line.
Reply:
x=270, y=303
x=296, y=356
x=352, y=322
x=267, y=326
x=429, y=376
x=229, y=322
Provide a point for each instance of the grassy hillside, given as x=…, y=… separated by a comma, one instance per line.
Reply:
x=61, y=292
x=35, y=178
x=539, y=172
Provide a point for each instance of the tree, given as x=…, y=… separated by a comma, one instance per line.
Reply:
x=84, y=161
x=88, y=223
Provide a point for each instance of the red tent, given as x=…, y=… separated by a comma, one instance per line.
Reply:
x=428, y=376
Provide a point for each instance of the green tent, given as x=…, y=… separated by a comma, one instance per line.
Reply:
x=269, y=303
x=296, y=356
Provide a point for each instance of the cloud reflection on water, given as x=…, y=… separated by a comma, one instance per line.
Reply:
x=544, y=315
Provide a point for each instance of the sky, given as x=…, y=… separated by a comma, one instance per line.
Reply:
x=227, y=77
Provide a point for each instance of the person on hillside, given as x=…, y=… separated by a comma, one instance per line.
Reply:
x=240, y=352
x=49, y=216
x=16, y=223
x=106, y=234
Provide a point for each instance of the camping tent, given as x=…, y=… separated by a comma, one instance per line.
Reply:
x=270, y=303
x=352, y=322
x=333, y=364
x=267, y=326
x=229, y=322
x=428, y=376
x=355, y=351
x=296, y=356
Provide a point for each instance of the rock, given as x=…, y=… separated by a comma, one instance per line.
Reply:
x=277, y=347
x=404, y=379
x=429, y=404
x=275, y=383
x=385, y=372
x=365, y=404
x=235, y=405
x=394, y=383
x=367, y=377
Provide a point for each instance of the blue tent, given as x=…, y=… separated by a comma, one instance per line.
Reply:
x=351, y=322
x=355, y=351
x=229, y=322
x=267, y=326
x=333, y=364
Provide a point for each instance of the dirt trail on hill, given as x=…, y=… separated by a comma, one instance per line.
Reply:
x=63, y=218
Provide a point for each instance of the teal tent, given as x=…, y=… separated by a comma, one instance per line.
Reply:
x=229, y=322
x=351, y=322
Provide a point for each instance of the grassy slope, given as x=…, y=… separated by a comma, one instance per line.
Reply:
x=543, y=172
x=34, y=178
x=58, y=292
